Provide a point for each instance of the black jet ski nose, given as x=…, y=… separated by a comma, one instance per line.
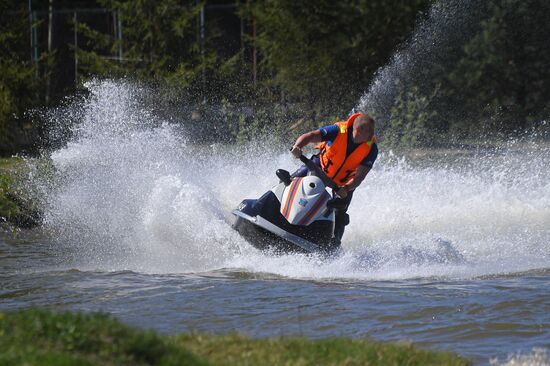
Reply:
x=284, y=176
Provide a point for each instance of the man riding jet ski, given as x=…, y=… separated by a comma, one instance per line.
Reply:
x=300, y=214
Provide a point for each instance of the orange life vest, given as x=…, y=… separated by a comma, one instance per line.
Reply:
x=334, y=162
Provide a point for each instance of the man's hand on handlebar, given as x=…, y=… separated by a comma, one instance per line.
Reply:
x=296, y=152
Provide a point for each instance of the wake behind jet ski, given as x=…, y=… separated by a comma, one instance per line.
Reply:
x=296, y=215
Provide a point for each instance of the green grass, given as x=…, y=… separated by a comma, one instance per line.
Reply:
x=241, y=350
x=38, y=337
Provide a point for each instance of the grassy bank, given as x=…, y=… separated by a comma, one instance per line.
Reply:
x=9, y=209
x=13, y=209
x=241, y=350
x=37, y=337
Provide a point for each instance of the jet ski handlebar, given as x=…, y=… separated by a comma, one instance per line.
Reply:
x=318, y=172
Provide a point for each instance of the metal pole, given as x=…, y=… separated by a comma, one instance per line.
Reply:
x=50, y=25
x=34, y=36
x=254, y=52
x=50, y=30
x=202, y=44
x=119, y=36
x=242, y=38
x=115, y=31
x=75, y=20
x=30, y=30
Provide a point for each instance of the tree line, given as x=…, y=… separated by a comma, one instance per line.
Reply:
x=430, y=72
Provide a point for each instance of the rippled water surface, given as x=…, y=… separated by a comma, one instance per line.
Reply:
x=480, y=317
x=449, y=250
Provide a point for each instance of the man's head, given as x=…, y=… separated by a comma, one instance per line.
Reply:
x=363, y=129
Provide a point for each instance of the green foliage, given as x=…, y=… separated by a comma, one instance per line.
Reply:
x=37, y=337
x=323, y=54
x=499, y=82
x=93, y=61
x=412, y=120
x=159, y=42
x=315, y=60
x=270, y=122
x=242, y=124
x=18, y=84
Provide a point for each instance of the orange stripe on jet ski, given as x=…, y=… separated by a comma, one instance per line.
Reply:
x=291, y=195
x=290, y=191
x=314, y=209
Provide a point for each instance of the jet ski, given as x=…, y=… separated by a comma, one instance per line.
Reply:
x=296, y=215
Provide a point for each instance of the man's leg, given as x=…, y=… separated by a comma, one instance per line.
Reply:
x=342, y=219
x=300, y=172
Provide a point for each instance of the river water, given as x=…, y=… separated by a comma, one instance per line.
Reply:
x=445, y=249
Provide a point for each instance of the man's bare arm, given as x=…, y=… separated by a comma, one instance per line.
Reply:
x=308, y=138
x=304, y=140
x=362, y=172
